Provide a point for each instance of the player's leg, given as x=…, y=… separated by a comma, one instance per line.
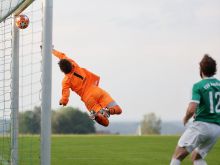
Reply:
x=94, y=108
x=114, y=108
x=175, y=162
x=106, y=101
x=100, y=103
x=197, y=159
x=179, y=154
x=210, y=133
x=187, y=143
x=99, y=117
x=199, y=162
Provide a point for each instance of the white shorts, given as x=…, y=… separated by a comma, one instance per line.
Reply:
x=200, y=136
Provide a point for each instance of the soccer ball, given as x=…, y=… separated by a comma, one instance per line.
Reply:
x=22, y=21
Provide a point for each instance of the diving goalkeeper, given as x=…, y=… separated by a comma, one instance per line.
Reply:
x=85, y=83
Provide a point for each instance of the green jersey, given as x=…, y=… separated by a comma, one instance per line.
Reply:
x=207, y=94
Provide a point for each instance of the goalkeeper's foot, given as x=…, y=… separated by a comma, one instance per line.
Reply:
x=105, y=112
x=115, y=110
x=92, y=115
x=101, y=119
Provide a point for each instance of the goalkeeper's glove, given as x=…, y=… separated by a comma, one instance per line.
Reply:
x=63, y=102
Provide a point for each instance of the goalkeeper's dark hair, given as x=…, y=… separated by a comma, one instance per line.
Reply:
x=208, y=66
x=65, y=66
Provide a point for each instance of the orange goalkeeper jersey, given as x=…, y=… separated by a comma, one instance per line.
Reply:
x=78, y=80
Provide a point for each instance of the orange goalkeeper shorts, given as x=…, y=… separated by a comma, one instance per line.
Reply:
x=96, y=99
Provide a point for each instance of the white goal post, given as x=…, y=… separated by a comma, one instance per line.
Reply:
x=46, y=82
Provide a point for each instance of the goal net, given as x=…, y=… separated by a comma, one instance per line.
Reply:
x=23, y=69
x=5, y=91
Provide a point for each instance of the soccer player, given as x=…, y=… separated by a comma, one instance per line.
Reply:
x=85, y=83
x=202, y=134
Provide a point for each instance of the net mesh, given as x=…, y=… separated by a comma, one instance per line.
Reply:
x=5, y=89
x=30, y=60
x=7, y=7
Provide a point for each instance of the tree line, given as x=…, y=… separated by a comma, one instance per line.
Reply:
x=69, y=120
x=66, y=120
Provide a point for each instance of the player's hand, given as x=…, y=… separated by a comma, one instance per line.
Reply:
x=62, y=103
x=185, y=121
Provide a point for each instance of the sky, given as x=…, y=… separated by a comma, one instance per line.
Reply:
x=146, y=52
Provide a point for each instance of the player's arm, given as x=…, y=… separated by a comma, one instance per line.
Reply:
x=190, y=112
x=62, y=55
x=193, y=104
x=59, y=54
x=65, y=92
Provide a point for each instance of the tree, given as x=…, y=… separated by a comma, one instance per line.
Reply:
x=29, y=121
x=65, y=120
x=69, y=120
x=151, y=124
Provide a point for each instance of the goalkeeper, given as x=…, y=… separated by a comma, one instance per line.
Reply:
x=85, y=83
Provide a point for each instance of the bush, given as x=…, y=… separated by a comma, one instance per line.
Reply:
x=69, y=120
x=66, y=120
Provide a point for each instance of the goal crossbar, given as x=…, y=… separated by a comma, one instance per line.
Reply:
x=16, y=9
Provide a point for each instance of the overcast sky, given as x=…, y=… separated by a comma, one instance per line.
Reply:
x=145, y=51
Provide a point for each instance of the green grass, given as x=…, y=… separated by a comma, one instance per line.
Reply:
x=118, y=150
x=107, y=150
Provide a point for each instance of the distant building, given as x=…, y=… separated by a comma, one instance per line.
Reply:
x=139, y=132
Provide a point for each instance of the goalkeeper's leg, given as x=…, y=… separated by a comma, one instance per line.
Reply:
x=115, y=110
x=108, y=102
x=100, y=117
x=99, y=99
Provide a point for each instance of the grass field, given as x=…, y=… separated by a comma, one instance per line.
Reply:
x=107, y=150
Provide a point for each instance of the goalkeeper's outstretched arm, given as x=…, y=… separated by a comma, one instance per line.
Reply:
x=65, y=92
x=59, y=54
x=62, y=55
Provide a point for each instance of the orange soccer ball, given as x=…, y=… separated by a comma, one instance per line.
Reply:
x=22, y=21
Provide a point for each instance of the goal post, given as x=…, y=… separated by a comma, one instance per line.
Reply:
x=14, y=93
x=46, y=82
